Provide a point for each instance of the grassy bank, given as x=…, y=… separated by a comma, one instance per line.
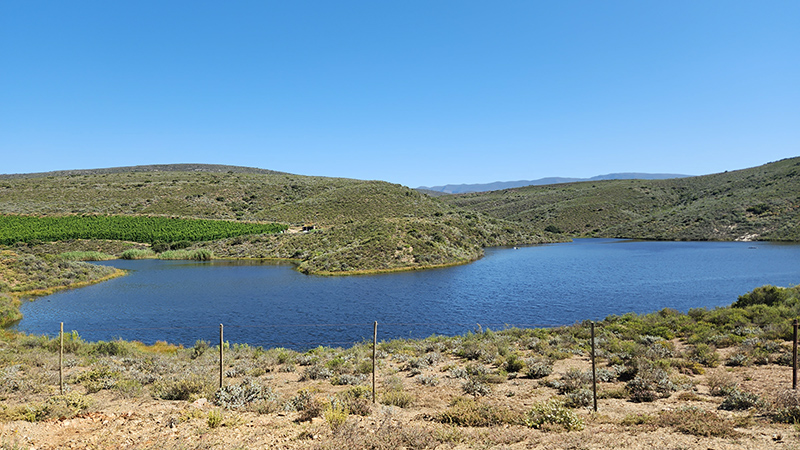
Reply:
x=717, y=377
x=25, y=275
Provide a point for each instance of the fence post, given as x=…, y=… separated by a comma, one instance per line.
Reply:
x=220, y=355
x=374, y=353
x=61, y=360
x=794, y=355
x=594, y=373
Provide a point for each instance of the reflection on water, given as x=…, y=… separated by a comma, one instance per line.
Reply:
x=270, y=304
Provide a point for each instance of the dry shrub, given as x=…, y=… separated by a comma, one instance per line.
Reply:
x=388, y=436
x=786, y=407
x=468, y=412
x=190, y=388
x=553, y=415
x=697, y=422
x=397, y=398
x=357, y=400
x=721, y=383
x=61, y=406
x=307, y=404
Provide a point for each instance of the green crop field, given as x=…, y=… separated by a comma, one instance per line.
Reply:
x=15, y=229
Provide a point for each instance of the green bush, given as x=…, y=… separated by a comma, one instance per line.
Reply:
x=513, y=363
x=214, y=419
x=111, y=348
x=764, y=295
x=137, y=254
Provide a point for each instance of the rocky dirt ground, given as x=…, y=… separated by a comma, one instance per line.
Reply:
x=115, y=422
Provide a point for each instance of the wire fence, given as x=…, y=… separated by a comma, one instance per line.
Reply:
x=374, y=342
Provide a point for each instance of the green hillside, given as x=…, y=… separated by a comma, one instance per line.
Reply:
x=761, y=203
x=360, y=226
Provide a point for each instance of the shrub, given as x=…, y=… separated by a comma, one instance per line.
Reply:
x=513, y=364
x=696, y=421
x=721, y=383
x=705, y=355
x=189, y=388
x=476, y=387
x=357, y=400
x=214, y=419
x=468, y=412
x=160, y=247
x=572, y=380
x=764, y=295
x=786, y=408
x=428, y=380
x=98, y=379
x=242, y=395
x=347, y=379
x=397, y=398
x=307, y=404
x=737, y=400
x=335, y=414
x=553, y=413
x=61, y=406
x=649, y=384
x=111, y=348
x=137, y=254
x=538, y=367
x=200, y=347
x=739, y=358
x=316, y=372
x=579, y=398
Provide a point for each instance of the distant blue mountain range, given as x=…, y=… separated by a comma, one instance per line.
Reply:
x=497, y=185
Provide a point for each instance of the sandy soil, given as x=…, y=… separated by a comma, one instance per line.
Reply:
x=144, y=423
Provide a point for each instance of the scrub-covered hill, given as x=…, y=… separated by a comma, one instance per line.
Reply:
x=358, y=226
x=760, y=203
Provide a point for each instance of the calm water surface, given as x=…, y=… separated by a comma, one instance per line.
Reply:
x=273, y=305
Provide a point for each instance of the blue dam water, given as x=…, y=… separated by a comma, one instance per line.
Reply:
x=273, y=305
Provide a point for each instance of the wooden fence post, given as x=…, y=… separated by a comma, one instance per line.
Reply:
x=374, y=354
x=61, y=360
x=794, y=355
x=221, y=342
x=594, y=373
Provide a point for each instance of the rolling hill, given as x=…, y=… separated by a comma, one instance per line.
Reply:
x=360, y=226
x=760, y=203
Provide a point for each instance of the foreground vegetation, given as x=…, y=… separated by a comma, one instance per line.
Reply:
x=760, y=203
x=706, y=379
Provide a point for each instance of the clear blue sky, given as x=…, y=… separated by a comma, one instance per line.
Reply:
x=412, y=92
